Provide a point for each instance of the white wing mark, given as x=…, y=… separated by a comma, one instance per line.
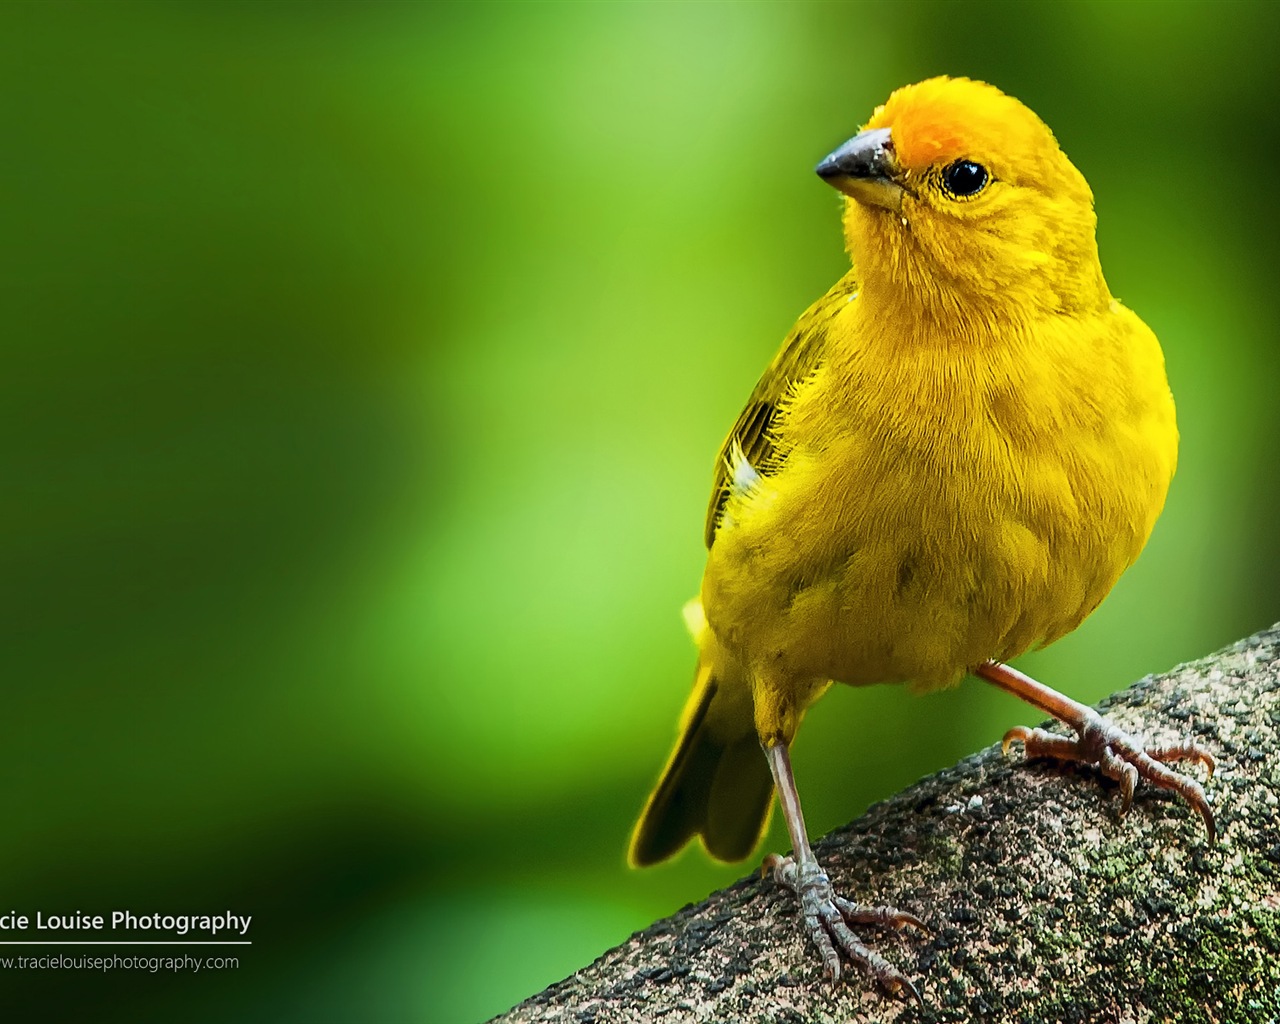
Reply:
x=743, y=477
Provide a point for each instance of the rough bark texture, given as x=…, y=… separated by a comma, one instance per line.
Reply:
x=1044, y=907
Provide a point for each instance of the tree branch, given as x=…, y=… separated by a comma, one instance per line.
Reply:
x=1044, y=907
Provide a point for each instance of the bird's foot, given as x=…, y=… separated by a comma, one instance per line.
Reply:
x=827, y=918
x=1121, y=757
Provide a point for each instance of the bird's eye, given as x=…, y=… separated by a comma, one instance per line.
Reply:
x=964, y=178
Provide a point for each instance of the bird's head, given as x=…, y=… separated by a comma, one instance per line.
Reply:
x=959, y=197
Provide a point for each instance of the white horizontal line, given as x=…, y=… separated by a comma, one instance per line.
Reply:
x=143, y=942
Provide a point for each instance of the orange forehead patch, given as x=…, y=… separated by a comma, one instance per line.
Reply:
x=942, y=119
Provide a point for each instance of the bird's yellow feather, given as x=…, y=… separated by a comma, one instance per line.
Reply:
x=961, y=446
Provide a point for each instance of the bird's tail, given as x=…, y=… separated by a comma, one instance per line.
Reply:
x=716, y=783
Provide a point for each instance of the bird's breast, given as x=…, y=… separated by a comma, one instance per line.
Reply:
x=911, y=532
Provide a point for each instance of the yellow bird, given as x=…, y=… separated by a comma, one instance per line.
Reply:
x=952, y=459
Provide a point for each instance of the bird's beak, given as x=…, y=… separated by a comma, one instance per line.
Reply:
x=865, y=169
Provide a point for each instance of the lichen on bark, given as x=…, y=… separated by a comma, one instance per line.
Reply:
x=1044, y=907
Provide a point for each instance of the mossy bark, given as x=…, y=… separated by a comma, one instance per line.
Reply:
x=1044, y=907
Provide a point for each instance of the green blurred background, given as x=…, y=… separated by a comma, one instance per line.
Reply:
x=363, y=370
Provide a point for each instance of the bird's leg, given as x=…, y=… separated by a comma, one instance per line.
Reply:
x=1101, y=742
x=827, y=916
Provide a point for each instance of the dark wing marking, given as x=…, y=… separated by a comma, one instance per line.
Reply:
x=799, y=356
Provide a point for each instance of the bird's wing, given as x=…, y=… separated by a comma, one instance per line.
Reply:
x=750, y=447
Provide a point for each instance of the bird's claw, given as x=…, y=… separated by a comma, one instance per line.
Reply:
x=827, y=918
x=1122, y=758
